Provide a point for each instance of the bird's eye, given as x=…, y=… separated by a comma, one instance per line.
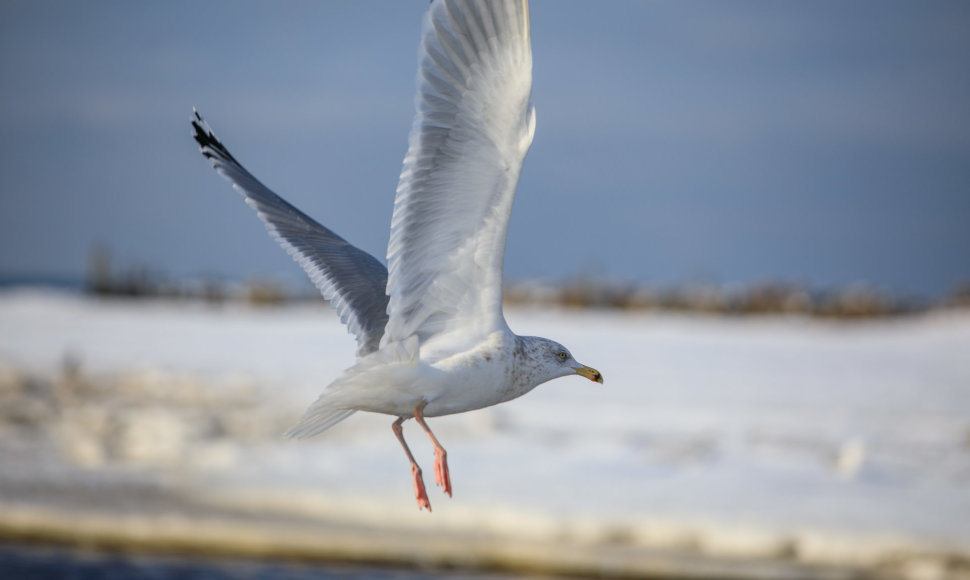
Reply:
x=562, y=355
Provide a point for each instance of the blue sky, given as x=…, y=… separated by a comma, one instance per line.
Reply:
x=822, y=143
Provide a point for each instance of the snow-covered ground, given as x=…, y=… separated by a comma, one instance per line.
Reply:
x=816, y=441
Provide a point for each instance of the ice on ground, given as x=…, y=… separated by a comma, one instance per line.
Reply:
x=838, y=442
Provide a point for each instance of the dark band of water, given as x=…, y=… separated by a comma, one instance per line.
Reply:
x=31, y=562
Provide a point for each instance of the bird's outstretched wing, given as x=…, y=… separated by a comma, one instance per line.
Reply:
x=351, y=279
x=473, y=127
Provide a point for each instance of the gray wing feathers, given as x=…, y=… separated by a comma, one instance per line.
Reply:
x=352, y=280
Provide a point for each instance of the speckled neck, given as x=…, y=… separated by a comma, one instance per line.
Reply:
x=526, y=371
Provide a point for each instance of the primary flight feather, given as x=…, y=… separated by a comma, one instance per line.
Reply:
x=432, y=338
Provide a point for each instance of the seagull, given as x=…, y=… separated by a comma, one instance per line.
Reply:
x=432, y=339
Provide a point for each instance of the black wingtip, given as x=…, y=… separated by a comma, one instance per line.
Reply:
x=206, y=139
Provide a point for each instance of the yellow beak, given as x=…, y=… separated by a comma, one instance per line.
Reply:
x=590, y=373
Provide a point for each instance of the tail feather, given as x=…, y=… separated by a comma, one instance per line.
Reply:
x=317, y=420
x=368, y=385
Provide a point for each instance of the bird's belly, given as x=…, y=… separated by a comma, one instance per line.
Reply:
x=444, y=393
x=464, y=381
x=470, y=384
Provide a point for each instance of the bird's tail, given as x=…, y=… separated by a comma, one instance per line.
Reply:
x=317, y=419
x=394, y=364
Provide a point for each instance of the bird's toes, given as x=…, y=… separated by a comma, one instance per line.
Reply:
x=441, y=475
x=420, y=493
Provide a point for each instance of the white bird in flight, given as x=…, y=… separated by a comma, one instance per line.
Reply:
x=431, y=336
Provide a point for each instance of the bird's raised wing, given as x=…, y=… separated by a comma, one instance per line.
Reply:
x=473, y=127
x=351, y=279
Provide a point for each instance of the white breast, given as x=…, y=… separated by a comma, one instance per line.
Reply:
x=476, y=378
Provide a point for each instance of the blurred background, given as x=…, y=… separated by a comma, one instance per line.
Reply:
x=751, y=216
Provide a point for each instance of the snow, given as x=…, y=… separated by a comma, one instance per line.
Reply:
x=842, y=442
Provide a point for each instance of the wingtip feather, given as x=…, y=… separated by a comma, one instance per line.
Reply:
x=209, y=144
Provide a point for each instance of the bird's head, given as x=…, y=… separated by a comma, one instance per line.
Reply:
x=554, y=361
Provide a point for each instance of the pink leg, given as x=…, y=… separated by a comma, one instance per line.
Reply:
x=441, y=475
x=419, y=492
